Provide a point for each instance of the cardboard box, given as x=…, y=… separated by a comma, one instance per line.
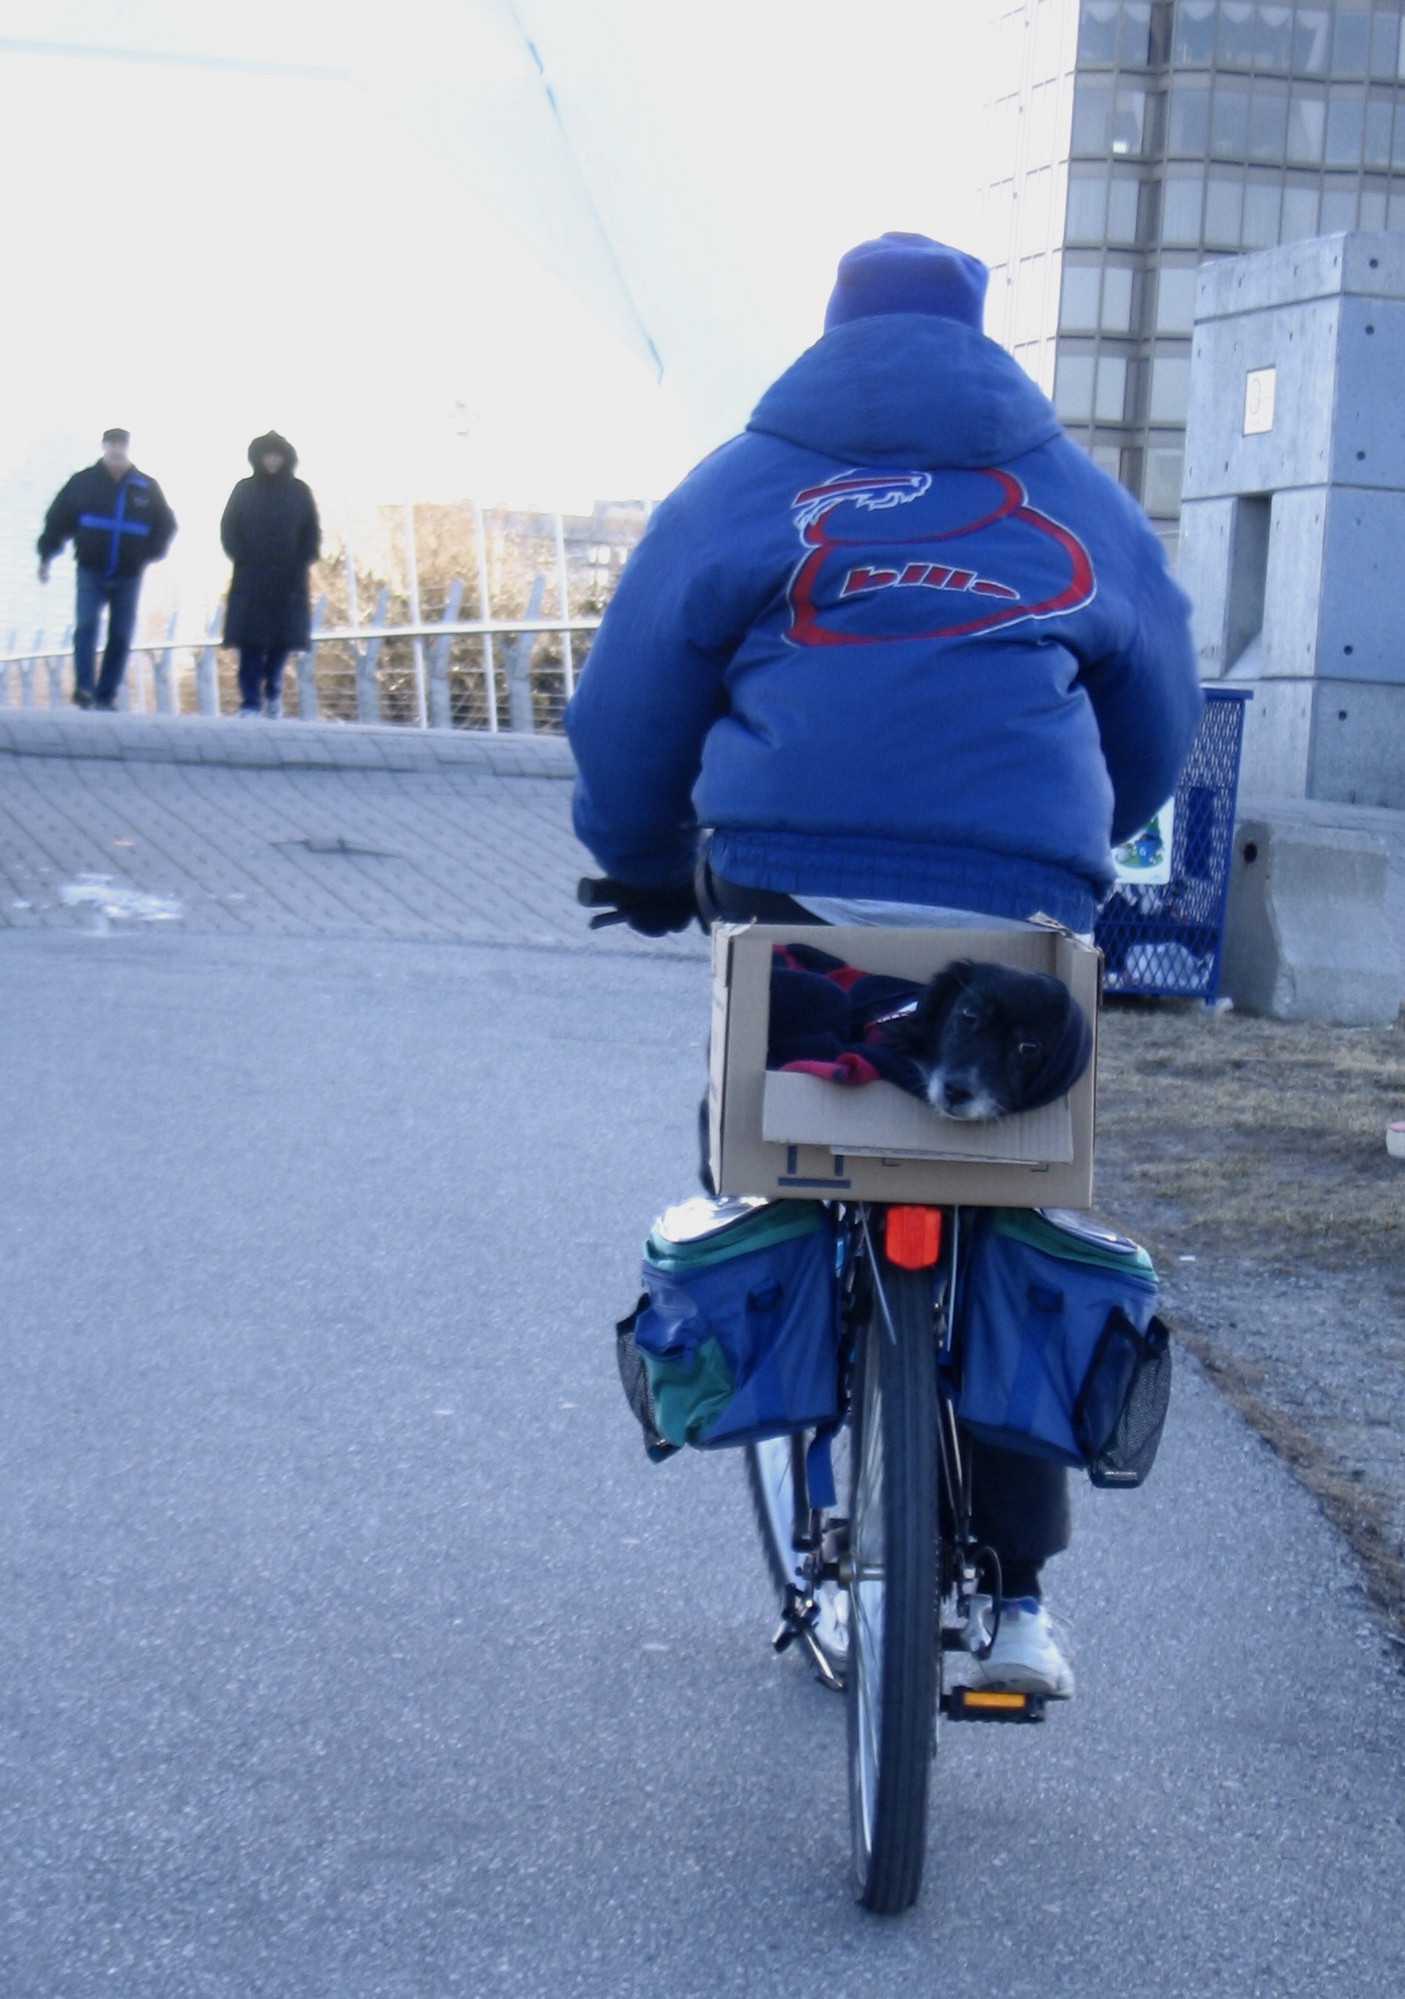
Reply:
x=779, y=1133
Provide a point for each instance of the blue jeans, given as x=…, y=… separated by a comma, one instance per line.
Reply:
x=260, y=676
x=120, y=594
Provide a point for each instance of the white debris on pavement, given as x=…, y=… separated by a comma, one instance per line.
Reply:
x=111, y=899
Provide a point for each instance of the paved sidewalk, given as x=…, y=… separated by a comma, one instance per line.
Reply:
x=352, y=1649
x=351, y=1646
x=288, y=828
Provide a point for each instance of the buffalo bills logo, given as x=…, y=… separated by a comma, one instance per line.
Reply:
x=954, y=554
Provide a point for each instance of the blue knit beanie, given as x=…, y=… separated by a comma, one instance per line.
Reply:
x=898, y=272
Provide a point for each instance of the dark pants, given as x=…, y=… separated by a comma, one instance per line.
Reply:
x=1019, y=1504
x=120, y=594
x=260, y=675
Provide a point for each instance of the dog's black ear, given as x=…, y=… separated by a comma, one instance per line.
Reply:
x=916, y=1031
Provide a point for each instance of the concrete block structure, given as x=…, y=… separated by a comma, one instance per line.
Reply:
x=1307, y=935
x=1293, y=513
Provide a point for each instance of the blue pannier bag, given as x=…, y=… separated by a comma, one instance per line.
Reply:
x=736, y=1335
x=1060, y=1352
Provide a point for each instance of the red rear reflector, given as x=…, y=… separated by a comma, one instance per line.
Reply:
x=914, y=1237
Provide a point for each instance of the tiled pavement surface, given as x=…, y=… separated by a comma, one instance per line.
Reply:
x=267, y=829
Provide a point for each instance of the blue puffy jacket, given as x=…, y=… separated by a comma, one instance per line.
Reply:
x=900, y=639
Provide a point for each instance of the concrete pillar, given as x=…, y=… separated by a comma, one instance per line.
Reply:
x=1294, y=510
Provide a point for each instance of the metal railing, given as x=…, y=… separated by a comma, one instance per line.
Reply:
x=444, y=694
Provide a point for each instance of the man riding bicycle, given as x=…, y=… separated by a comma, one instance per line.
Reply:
x=911, y=658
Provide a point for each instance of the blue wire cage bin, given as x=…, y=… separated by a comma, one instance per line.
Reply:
x=1162, y=936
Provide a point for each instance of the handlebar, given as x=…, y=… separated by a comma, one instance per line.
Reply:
x=651, y=911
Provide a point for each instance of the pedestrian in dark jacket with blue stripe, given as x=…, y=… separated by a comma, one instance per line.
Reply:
x=912, y=658
x=118, y=521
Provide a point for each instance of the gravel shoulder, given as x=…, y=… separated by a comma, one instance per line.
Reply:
x=1250, y=1156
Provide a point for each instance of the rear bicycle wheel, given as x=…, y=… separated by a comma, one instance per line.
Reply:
x=893, y=1585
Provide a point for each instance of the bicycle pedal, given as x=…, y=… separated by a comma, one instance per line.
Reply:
x=798, y=1615
x=991, y=1704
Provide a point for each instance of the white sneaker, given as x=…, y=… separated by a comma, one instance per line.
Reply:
x=1026, y=1657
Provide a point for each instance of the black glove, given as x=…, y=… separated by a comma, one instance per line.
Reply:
x=653, y=912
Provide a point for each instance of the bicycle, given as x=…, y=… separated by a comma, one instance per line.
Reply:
x=888, y=1585
x=880, y=1587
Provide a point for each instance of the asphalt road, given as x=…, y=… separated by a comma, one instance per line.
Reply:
x=351, y=1646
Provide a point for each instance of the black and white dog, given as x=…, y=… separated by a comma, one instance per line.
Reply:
x=990, y=1040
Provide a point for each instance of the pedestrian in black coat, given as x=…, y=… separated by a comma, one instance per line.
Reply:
x=271, y=534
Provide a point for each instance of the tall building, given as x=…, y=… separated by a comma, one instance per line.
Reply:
x=1132, y=139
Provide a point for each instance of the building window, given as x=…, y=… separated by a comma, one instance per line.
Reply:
x=1009, y=54
x=1312, y=40
x=1307, y=121
x=1111, y=399
x=1165, y=470
x=1117, y=300
x=1385, y=46
x=1371, y=214
x=1261, y=205
x=1029, y=300
x=1229, y=130
x=1078, y=306
x=1122, y=211
x=1034, y=211
x=1073, y=388
x=1128, y=122
x=1268, y=120
x=1224, y=210
x=1092, y=117
x=1170, y=387
x=1136, y=33
x=1338, y=206
x=1175, y=299
x=1039, y=125
x=1180, y=208
x=1097, y=31
x=1378, y=110
x=1190, y=116
x=1236, y=33
x=1274, y=48
x=1299, y=213
x=1086, y=220
x=1195, y=32
x=1350, y=40
x=1344, y=120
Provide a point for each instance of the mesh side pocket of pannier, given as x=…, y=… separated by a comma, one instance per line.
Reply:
x=1130, y=1452
x=634, y=1379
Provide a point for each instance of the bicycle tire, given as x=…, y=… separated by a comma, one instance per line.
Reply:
x=893, y=1584
x=769, y=1484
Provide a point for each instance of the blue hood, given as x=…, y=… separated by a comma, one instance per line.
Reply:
x=907, y=388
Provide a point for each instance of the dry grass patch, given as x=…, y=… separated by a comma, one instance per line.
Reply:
x=1255, y=1135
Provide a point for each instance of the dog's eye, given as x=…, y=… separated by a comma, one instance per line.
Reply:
x=969, y=1013
x=1029, y=1048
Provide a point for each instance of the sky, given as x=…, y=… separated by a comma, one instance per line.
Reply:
x=396, y=257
